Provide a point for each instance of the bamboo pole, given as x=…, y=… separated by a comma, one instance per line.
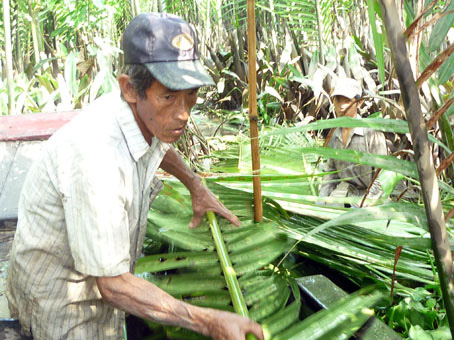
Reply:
x=426, y=171
x=9, y=57
x=253, y=118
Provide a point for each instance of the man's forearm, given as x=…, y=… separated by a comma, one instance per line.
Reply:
x=143, y=299
x=174, y=164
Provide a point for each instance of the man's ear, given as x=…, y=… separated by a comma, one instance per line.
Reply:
x=129, y=93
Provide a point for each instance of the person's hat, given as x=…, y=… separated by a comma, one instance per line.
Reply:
x=347, y=87
x=167, y=46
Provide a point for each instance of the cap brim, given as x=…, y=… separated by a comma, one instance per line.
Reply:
x=180, y=75
x=343, y=93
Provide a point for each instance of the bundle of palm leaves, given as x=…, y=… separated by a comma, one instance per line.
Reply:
x=188, y=267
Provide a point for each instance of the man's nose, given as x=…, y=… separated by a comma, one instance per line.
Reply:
x=183, y=110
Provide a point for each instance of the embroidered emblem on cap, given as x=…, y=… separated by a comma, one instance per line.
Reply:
x=183, y=42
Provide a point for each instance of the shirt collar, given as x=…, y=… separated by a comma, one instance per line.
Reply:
x=356, y=131
x=137, y=144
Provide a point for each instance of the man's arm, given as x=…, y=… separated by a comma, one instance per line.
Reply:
x=203, y=199
x=143, y=299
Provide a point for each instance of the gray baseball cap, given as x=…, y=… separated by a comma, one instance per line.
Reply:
x=347, y=87
x=167, y=46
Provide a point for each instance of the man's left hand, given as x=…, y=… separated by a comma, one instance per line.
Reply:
x=204, y=200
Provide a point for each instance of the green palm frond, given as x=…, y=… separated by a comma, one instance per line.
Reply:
x=190, y=270
x=360, y=243
x=301, y=16
x=352, y=311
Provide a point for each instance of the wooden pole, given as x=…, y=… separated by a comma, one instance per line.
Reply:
x=253, y=118
x=423, y=157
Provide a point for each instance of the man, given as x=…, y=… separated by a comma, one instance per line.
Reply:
x=83, y=207
x=351, y=179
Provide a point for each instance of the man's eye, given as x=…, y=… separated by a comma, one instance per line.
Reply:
x=193, y=92
x=168, y=97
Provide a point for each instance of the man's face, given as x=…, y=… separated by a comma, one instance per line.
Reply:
x=164, y=113
x=345, y=106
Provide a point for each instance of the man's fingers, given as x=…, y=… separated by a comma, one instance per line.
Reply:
x=195, y=221
x=233, y=219
x=256, y=329
x=227, y=214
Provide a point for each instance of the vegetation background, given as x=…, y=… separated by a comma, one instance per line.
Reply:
x=59, y=55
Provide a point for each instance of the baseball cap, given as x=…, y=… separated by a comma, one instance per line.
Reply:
x=347, y=87
x=167, y=46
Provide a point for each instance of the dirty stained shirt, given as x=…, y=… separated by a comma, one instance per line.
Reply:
x=82, y=214
x=357, y=176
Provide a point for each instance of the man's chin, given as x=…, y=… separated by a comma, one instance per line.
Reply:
x=169, y=140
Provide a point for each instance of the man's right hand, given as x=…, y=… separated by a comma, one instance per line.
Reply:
x=230, y=326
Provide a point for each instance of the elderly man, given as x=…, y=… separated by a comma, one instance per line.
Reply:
x=351, y=179
x=83, y=207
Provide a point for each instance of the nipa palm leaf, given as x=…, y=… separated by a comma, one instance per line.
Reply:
x=191, y=271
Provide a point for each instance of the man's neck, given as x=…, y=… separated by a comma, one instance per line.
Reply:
x=346, y=132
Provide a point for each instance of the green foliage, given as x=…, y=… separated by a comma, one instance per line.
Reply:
x=191, y=271
x=347, y=314
x=418, y=313
x=441, y=28
x=378, y=39
x=77, y=54
x=360, y=244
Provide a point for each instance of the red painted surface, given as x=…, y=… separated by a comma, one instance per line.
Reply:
x=33, y=126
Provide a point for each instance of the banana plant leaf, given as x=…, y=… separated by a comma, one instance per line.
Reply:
x=190, y=268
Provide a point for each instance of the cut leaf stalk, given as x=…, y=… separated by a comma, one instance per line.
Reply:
x=239, y=305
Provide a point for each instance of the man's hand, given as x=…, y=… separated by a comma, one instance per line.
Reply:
x=230, y=326
x=204, y=200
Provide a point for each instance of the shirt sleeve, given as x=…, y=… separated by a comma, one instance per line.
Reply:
x=94, y=201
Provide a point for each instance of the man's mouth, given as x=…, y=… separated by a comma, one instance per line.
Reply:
x=179, y=130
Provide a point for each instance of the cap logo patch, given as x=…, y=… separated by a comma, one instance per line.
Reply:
x=183, y=42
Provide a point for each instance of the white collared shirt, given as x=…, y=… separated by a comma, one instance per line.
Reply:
x=82, y=214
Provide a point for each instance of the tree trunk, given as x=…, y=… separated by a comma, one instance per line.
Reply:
x=320, y=32
x=34, y=29
x=135, y=7
x=18, y=55
x=426, y=171
x=237, y=58
x=276, y=50
x=9, y=56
